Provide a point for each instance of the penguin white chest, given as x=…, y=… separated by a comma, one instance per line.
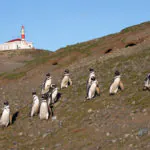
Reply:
x=115, y=85
x=48, y=83
x=92, y=90
x=35, y=106
x=44, y=114
x=54, y=94
x=65, y=82
x=5, y=117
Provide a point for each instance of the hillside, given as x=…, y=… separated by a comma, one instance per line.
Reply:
x=119, y=122
x=11, y=61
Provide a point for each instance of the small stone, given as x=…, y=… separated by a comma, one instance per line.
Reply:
x=131, y=135
x=132, y=118
x=60, y=124
x=90, y=110
x=114, y=141
x=107, y=106
x=131, y=145
x=107, y=134
x=126, y=135
x=30, y=135
x=54, y=118
x=57, y=145
x=20, y=133
x=133, y=103
x=144, y=110
x=45, y=134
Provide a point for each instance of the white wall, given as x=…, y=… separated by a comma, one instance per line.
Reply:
x=16, y=45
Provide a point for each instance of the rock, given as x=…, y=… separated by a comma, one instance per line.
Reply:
x=114, y=141
x=90, y=110
x=57, y=145
x=20, y=133
x=60, y=124
x=131, y=135
x=30, y=135
x=143, y=131
x=45, y=134
x=107, y=134
x=144, y=110
x=133, y=103
x=54, y=118
x=126, y=135
x=131, y=145
x=132, y=118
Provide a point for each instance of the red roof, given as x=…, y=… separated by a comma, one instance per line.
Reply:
x=14, y=40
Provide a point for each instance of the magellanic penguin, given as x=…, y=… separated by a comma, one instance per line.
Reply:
x=35, y=104
x=44, y=110
x=116, y=84
x=147, y=83
x=5, y=118
x=89, y=81
x=52, y=98
x=46, y=84
x=66, y=81
x=92, y=89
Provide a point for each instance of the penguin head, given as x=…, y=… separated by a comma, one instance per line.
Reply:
x=33, y=93
x=6, y=103
x=117, y=73
x=44, y=96
x=48, y=74
x=91, y=69
x=66, y=71
x=53, y=85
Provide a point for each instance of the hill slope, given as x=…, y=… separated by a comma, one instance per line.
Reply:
x=107, y=122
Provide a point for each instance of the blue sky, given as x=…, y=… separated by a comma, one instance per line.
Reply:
x=52, y=24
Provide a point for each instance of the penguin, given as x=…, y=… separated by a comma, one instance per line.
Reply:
x=5, y=118
x=66, y=81
x=52, y=98
x=46, y=84
x=147, y=83
x=89, y=81
x=44, y=110
x=92, y=88
x=117, y=84
x=35, y=105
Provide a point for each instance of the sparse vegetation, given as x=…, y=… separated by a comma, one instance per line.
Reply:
x=14, y=75
x=112, y=122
